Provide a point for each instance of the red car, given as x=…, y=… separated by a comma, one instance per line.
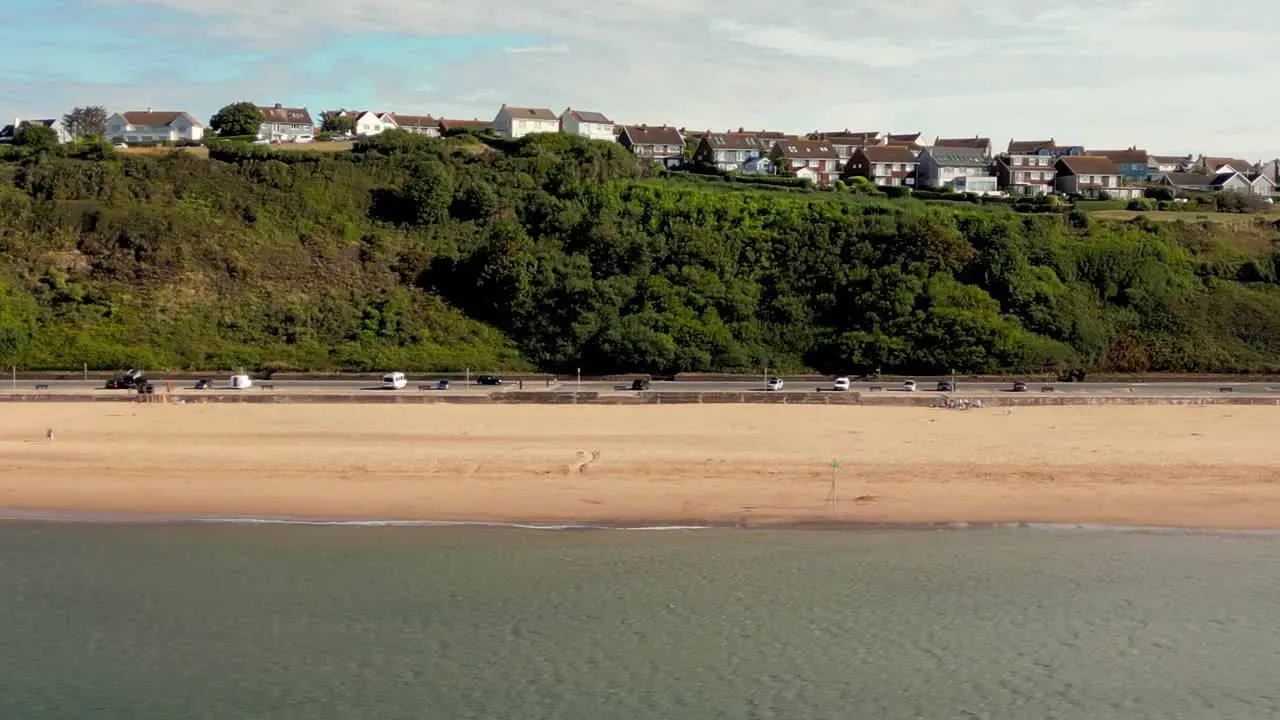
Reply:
x=1019, y=386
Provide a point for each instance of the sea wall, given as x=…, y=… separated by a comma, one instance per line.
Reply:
x=639, y=398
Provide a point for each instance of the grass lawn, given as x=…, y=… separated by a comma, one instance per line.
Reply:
x=203, y=152
x=1166, y=216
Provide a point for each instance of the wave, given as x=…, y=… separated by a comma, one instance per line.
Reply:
x=128, y=518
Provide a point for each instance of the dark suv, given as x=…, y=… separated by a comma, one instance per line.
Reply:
x=640, y=384
x=488, y=380
x=128, y=381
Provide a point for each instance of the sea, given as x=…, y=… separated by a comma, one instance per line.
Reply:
x=241, y=621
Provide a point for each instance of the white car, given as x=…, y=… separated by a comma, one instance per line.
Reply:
x=909, y=386
x=841, y=384
x=240, y=382
x=775, y=383
x=394, y=381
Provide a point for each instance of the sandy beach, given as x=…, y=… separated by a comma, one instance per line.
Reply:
x=1206, y=467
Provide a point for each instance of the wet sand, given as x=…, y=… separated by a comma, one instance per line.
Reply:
x=1202, y=467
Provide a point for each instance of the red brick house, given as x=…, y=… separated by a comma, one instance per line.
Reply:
x=891, y=165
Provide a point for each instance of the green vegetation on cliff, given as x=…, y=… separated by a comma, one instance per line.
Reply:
x=556, y=253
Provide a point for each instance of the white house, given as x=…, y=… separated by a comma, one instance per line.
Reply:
x=963, y=169
x=146, y=126
x=7, y=132
x=516, y=122
x=372, y=123
x=282, y=124
x=591, y=125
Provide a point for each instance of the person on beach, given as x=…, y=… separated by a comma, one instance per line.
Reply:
x=48, y=435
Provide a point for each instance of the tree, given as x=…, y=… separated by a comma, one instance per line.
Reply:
x=84, y=122
x=242, y=118
x=36, y=135
x=340, y=123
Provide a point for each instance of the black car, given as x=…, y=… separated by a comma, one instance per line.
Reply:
x=204, y=384
x=488, y=380
x=442, y=385
x=131, y=379
x=1020, y=386
x=640, y=384
x=946, y=386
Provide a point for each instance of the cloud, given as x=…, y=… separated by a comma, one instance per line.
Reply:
x=1096, y=72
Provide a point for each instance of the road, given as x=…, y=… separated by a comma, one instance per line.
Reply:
x=1166, y=389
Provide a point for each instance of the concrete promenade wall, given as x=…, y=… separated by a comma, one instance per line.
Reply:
x=639, y=398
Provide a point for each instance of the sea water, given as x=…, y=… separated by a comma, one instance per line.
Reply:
x=234, y=621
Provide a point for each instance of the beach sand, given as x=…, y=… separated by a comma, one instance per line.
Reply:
x=1208, y=467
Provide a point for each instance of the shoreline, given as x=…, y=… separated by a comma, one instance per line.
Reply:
x=74, y=517
x=1197, y=467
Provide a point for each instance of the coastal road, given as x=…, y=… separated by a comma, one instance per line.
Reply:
x=1163, y=389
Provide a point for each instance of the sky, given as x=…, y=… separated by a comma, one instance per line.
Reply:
x=1168, y=76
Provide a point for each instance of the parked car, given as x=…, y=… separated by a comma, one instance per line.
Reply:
x=442, y=385
x=909, y=386
x=1019, y=386
x=946, y=386
x=488, y=380
x=203, y=384
x=394, y=381
x=775, y=383
x=641, y=384
x=841, y=384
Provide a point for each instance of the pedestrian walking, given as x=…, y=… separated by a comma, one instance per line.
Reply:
x=48, y=435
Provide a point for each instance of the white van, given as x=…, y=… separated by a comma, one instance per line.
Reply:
x=394, y=381
x=240, y=382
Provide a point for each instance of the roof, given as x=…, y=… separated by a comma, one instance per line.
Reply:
x=415, y=120
x=1223, y=178
x=584, y=116
x=652, y=135
x=959, y=156
x=889, y=154
x=1188, y=179
x=1126, y=157
x=1213, y=163
x=805, y=149
x=973, y=142
x=1170, y=159
x=157, y=119
x=738, y=141
x=287, y=116
x=447, y=124
x=1088, y=165
x=1029, y=147
x=529, y=113
x=902, y=139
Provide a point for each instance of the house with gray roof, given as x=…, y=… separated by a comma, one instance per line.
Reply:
x=586, y=124
x=659, y=143
x=730, y=152
x=962, y=169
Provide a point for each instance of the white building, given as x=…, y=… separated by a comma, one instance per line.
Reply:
x=147, y=126
x=516, y=122
x=282, y=124
x=591, y=125
x=7, y=132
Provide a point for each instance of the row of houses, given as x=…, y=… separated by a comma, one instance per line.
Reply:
x=1024, y=167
